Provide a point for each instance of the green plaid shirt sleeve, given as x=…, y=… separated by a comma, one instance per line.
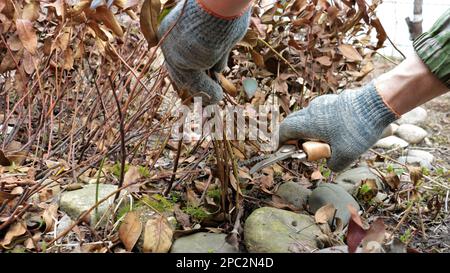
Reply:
x=433, y=47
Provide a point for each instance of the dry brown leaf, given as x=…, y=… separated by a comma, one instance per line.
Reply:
x=14, y=43
x=4, y=161
x=49, y=216
x=126, y=4
x=27, y=35
x=149, y=21
x=130, y=230
x=28, y=63
x=4, y=196
x=157, y=235
x=316, y=175
x=132, y=176
x=107, y=17
x=192, y=198
x=374, y=237
x=324, y=214
x=350, y=53
x=324, y=60
x=15, y=230
x=227, y=85
x=393, y=181
x=68, y=59
x=182, y=217
x=298, y=6
x=258, y=59
x=31, y=11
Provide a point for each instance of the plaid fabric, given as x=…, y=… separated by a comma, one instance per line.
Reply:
x=433, y=47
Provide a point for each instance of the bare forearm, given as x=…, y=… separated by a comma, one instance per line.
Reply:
x=226, y=8
x=409, y=85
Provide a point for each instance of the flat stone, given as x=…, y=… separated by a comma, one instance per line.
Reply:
x=272, y=230
x=327, y=193
x=351, y=179
x=74, y=203
x=391, y=142
x=411, y=133
x=202, y=242
x=389, y=130
x=417, y=116
x=412, y=160
x=293, y=193
x=422, y=154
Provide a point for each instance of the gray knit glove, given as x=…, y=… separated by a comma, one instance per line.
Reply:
x=200, y=41
x=350, y=122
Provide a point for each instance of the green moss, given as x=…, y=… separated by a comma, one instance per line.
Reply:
x=157, y=202
x=214, y=194
x=198, y=213
x=144, y=171
x=406, y=237
x=115, y=169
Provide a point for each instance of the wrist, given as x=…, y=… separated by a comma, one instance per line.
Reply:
x=408, y=85
x=227, y=10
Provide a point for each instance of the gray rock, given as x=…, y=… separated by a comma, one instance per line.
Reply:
x=293, y=193
x=74, y=203
x=411, y=133
x=417, y=116
x=202, y=242
x=351, y=179
x=412, y=160
x=271, y=230
x=338, y=249
x=391, y=142
x=389, y=130
x=327, y=193
x=421, y=154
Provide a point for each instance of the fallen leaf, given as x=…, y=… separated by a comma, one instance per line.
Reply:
x=49, y=216
x=107, y=17
x=227, y=85
x=316, y=175
x=149, y=21
x=325, y=214
x=27, y=35
x=130, y=230
x=15, y=230
x=258, y=59
x=31, y=11
x=132, y=176
x=192, y=198
x=324, y=60
x=4, y=196
x=392, y=180
x=182, y=217
x=298, y=6
x=355, y=232
x=375, y=234
x=157, y=235
x=350, y=53
x=4, y=161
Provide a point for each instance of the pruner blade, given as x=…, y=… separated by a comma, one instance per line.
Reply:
x=285, y=152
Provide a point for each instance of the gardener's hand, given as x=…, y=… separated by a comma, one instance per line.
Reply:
x=350, y=122
x=200, y=41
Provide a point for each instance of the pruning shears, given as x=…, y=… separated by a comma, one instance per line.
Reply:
x=306, y=151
